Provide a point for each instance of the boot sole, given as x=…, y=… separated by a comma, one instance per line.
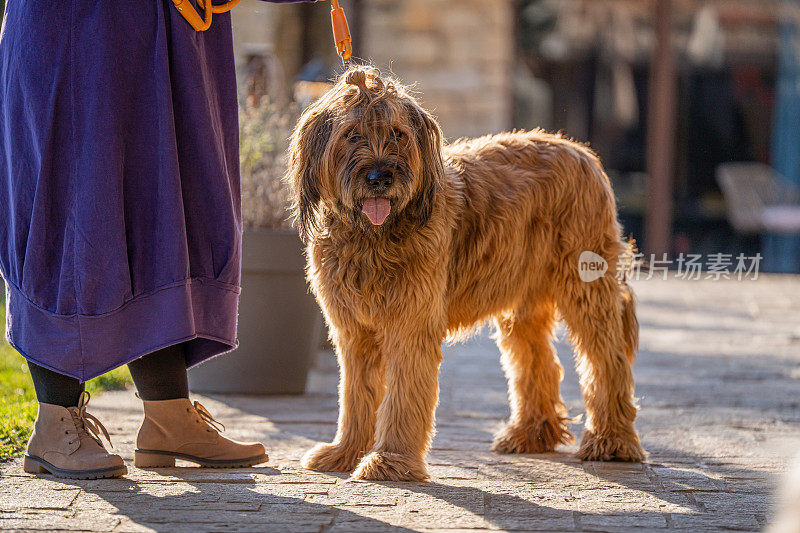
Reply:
x=36, y=465
x=161, y=459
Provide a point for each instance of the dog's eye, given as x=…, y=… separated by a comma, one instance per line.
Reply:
x=398, y=134
x=353, y=136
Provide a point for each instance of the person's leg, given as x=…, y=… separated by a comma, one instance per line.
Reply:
x=174, y=427
x=62, y=443
x=161, y=375
x=54, y=388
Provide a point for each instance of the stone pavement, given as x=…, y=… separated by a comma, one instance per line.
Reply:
x=719, y=380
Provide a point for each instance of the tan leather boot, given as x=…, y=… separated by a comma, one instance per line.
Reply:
x=66, y=443
x=180, y=429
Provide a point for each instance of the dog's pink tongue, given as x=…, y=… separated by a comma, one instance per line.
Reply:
x=376, y=209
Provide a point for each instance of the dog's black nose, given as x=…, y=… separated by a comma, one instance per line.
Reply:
x=379, y=179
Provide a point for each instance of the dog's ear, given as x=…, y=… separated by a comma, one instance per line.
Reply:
x=306, y=150
x=429, y=141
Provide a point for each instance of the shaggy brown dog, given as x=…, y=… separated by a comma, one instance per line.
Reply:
x=410, y=241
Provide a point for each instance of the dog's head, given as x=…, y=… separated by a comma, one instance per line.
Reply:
x=367, y=154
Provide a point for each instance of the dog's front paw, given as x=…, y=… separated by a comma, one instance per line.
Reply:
x=610, y=448
x=386, y=466
x=331, y=458
x=537, y=437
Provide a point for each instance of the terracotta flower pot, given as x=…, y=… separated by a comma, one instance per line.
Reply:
x=279, y=323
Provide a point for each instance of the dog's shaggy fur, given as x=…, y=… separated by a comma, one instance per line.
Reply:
x=487, y=228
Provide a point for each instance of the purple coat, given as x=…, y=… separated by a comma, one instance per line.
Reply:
x=120, y=213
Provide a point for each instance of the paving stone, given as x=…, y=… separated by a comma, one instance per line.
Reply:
x=367, y=526
x=33, y=495
x=691, y=479
x=364, y=519
x=198, y=475
x=182, y=527
x=717, y=502
x=453, y=472
x=619, y=499
x=362, y=494
x=266, y=515
x=536, y=471
x=290, y=474
x=617, y=521
x=715, y=522
x=58, y=519
x=53, y=523
x=533, y=520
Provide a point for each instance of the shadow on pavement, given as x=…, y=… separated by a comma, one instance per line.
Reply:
x=195, y=499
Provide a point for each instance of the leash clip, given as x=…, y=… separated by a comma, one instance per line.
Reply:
x=341, y=34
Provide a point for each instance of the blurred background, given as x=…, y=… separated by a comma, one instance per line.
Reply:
x=693, y=105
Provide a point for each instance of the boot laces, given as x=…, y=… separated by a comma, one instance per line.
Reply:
x=206, y=417
x=87, y=425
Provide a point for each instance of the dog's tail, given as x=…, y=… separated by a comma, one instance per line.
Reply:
x=630, y=324
x=627, y=262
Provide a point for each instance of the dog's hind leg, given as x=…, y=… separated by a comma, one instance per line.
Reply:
x=603, y=329
x=538, y=414
x=361, y=388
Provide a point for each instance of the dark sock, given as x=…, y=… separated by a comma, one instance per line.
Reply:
x=161, y=375
x=54, y=388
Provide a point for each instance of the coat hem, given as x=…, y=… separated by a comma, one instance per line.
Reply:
x=199, y=312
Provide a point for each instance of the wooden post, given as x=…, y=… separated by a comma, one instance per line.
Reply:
x=661, y=117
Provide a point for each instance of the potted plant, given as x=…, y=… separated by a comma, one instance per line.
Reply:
x=279, y=320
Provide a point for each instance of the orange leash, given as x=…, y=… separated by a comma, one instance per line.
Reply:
x=341, y=31
x=199, y=23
